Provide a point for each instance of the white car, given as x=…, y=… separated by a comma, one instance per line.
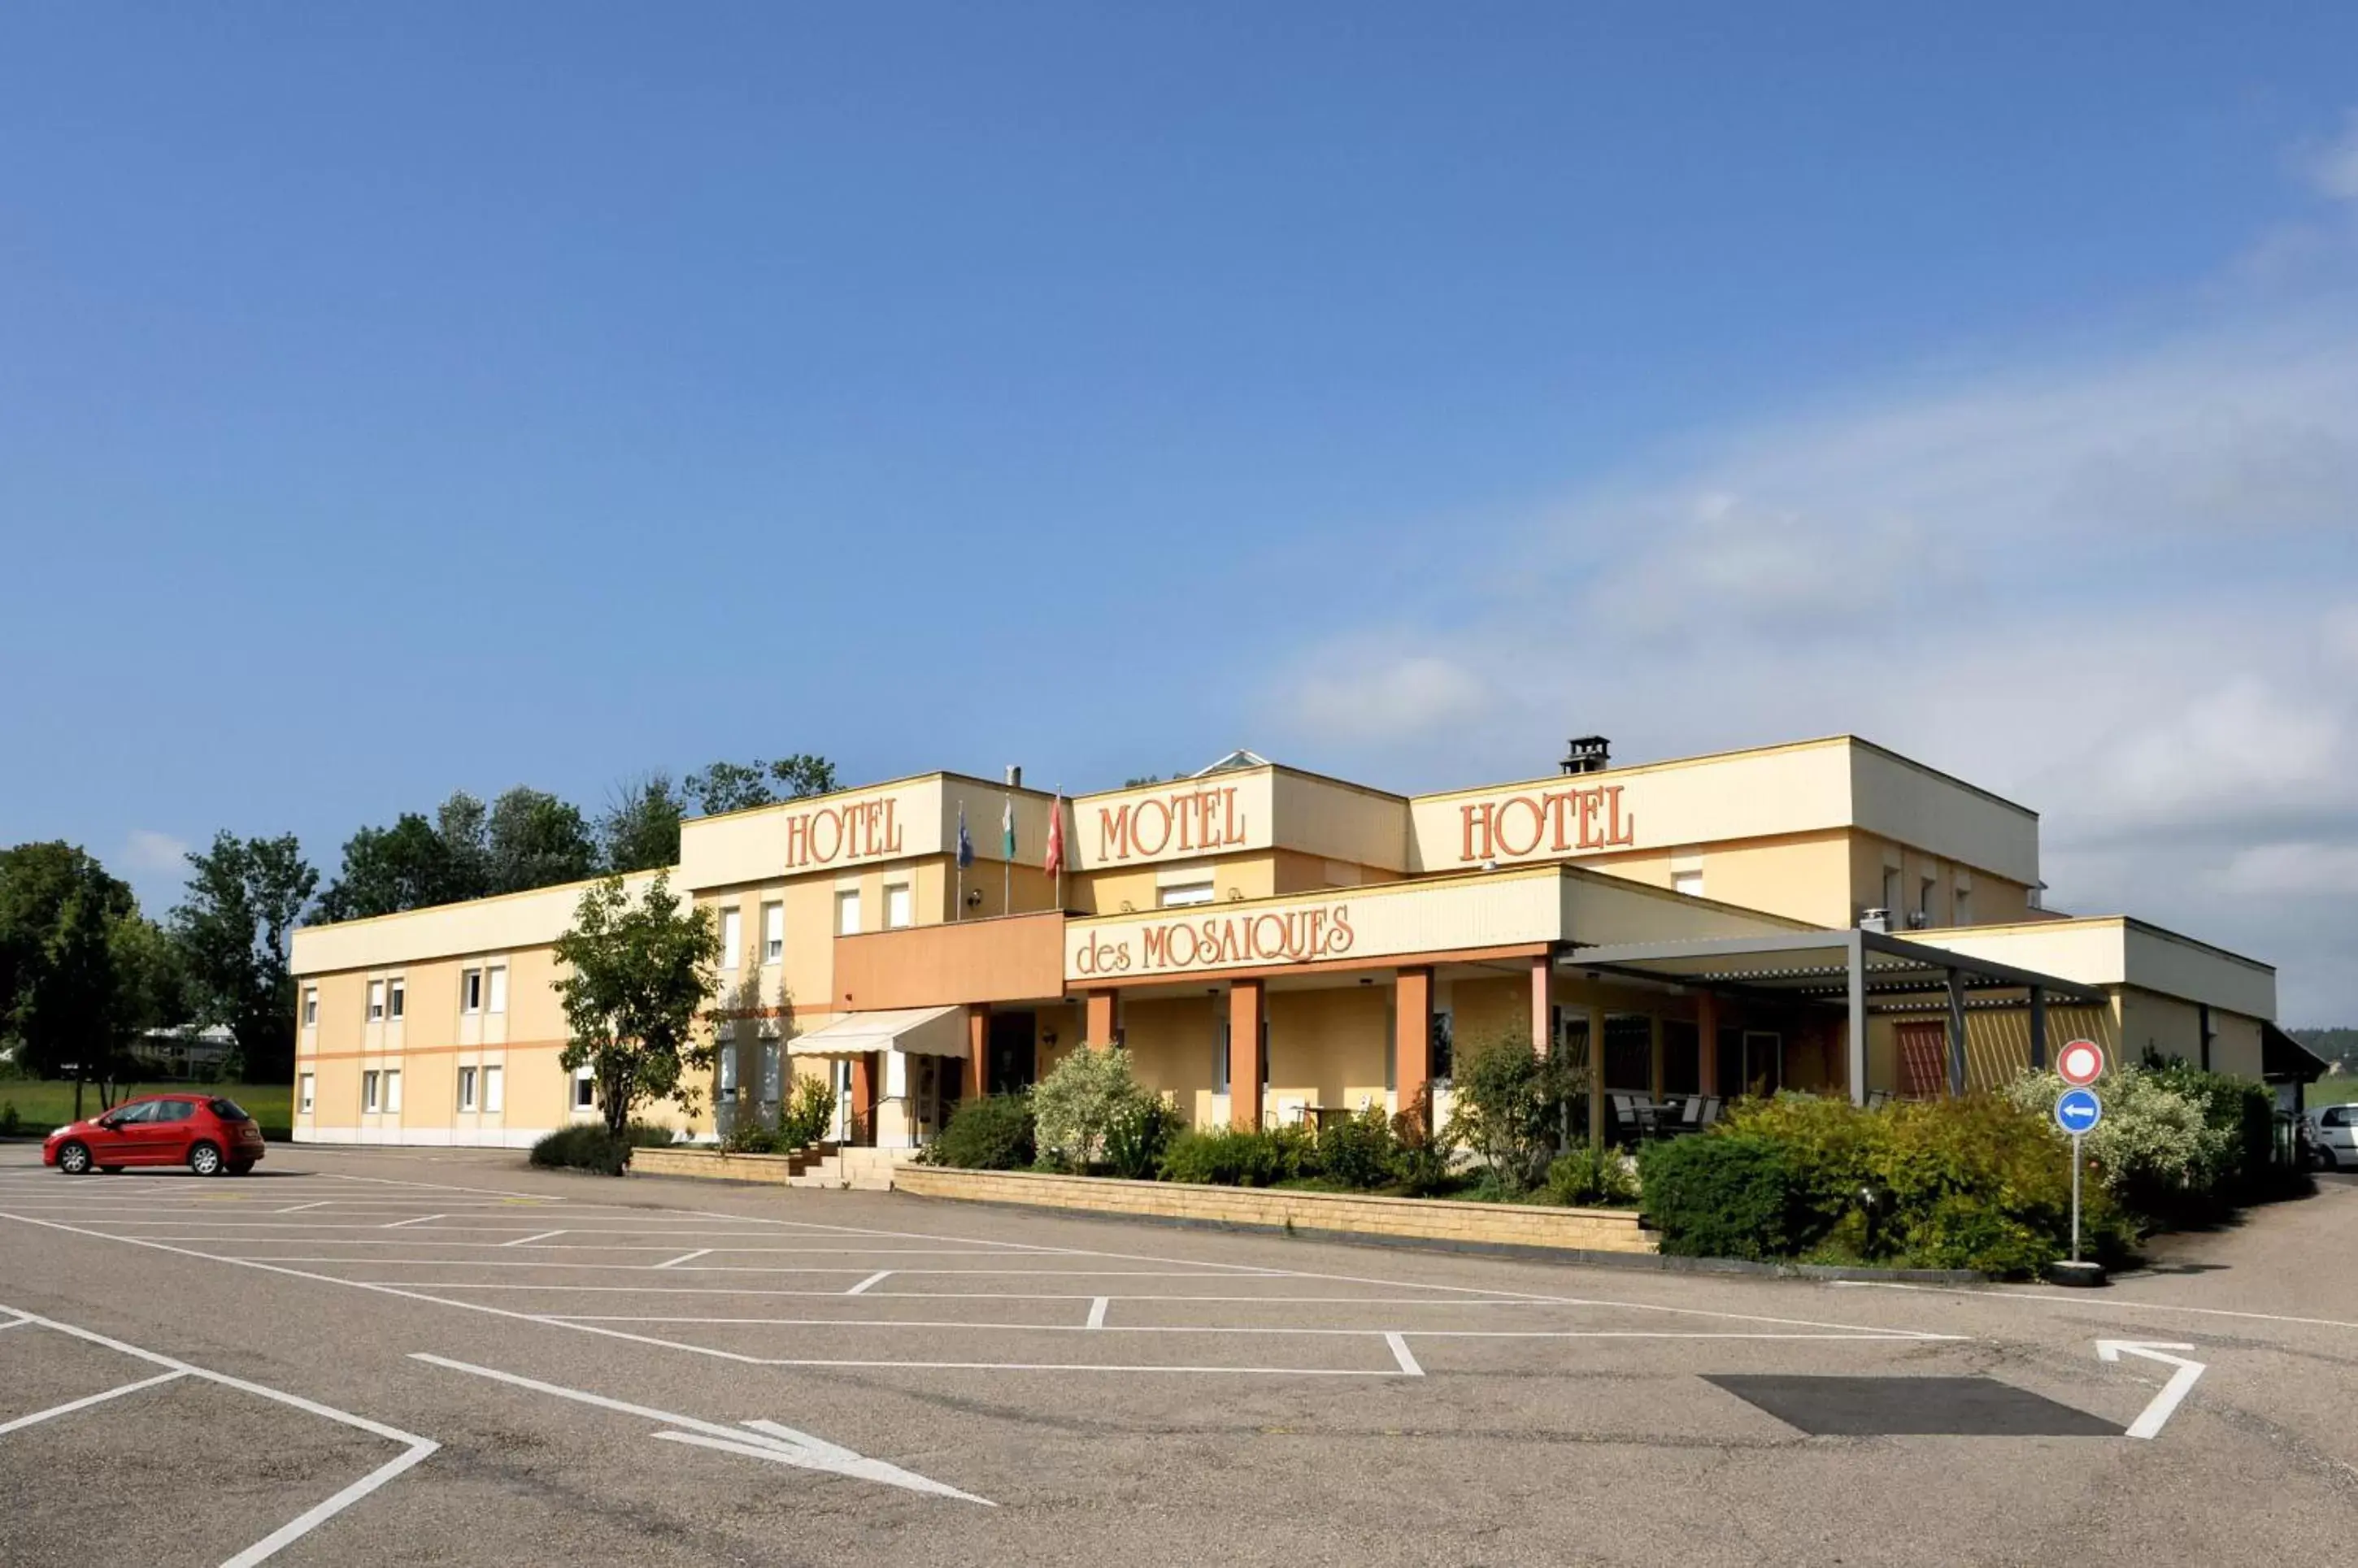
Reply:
x=2334, y=1137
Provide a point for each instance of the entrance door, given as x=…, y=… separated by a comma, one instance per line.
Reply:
x=1012, y=1066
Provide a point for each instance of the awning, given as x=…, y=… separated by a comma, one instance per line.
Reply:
x=2284, y=1059
x=913, y=1031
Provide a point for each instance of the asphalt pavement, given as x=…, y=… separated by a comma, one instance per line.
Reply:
x=445, y=1356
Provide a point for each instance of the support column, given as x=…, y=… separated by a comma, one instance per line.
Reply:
x=2202, y=1022
x=1543, y=970
x=1707, y=1042
x=1413, y=1039
x=1102, y=1028
x=1654, y=1045
x=2039, y=1029
x=1956, y=1036
x=977, y=1050
x=1857, y=1019
x=1597, y=1075
x=1244, y=1054
x=863, y=1097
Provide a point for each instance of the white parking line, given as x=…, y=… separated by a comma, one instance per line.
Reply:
x=875, y=1279
x=85, y=1402
x=528, y=1240
x=1399, y=1352
x=1097, y=1323
x=1097, y=1305
x=671, y=1263
x=421, y=1220
x=300, y=1208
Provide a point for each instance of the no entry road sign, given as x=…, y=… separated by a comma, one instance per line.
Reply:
x=2081, y=1063
x=2078, y=1110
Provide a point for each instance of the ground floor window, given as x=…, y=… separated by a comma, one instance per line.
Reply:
x=1630, y=1053
x=392, y=1092
x=585, y=1090
x=467, y=1080
x=303, y=1093
x=370, y=1092
x=494, y=1096
x=1441, y=1057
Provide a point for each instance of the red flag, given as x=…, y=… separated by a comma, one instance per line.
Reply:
x=1056, y=835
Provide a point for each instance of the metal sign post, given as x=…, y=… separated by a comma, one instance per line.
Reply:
x=2075, y=1197
x=2076, y=1111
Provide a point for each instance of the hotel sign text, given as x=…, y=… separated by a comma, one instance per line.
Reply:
x=856, y=830
x=1555, y=821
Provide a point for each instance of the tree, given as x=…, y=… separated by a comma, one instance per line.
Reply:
x=59, y=911
x=733, y=786
x=535, y=840
x=1511, y=1106
x=388, y=870
x=460, y=821
x=635, y=977
x=150, y=995
x=640, y=831
x=244, y=898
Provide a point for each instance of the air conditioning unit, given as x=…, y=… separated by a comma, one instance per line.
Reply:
x=1875, y=919
x=1916, y=920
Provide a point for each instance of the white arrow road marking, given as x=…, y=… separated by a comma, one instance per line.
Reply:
x=2181, y=1381
x=766, y=1440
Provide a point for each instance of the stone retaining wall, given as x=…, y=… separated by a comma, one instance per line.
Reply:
x=678, y=1161
x=1346, y=1214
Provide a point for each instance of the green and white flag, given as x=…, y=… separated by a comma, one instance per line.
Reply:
x=1007, y=830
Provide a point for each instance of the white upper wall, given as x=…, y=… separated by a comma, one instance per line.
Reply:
x=2115, y=950
x=1931, y=811
x=502, y=925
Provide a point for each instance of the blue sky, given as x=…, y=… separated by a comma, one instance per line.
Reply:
x=397, y=400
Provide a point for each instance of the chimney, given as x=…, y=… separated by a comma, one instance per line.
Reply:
x=1014, y=776
x=1587, y=754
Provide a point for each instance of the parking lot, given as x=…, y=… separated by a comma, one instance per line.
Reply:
x=448, y=1358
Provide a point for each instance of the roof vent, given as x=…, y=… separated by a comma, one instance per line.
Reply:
x=1014, y=776
x=1587, y=754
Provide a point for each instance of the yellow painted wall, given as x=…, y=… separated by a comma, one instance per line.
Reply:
x=1327, y=1047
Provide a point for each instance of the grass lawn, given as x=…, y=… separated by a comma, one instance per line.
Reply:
x=2340, y=1089
x=42, y=1105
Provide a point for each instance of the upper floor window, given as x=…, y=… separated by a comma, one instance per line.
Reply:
x=495, y=986
x=376, y=1001
x=897, y=905
x=395, y=991
x=470, y=990
x=733, y=933
x=773, y=932
x=1179, y=895
x=1965, y=907
x=310, y=1006
x=846, y=912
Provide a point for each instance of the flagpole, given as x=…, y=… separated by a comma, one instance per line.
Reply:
x=1057, y=828
x=1007, y=866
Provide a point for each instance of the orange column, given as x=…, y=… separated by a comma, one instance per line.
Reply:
x=977, y=1050
x=1707, y=1042
x=1244, y=1055
x=1411, y=1035
x=1542, y=968
x=863, y=1097
x=1100, y=1031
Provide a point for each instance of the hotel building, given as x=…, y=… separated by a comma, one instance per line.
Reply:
x=1273, y=945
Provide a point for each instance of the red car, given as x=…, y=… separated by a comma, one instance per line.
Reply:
x=207, y=1134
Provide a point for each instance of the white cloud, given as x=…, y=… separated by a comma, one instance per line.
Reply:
x=2123, y=590
x=150, y=853
x=2332, y=166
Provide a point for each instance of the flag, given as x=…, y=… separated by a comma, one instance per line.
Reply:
x=965, y=844
x=1055, y=863
x=1007, y=831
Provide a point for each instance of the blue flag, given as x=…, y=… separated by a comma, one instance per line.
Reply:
x=965, y=845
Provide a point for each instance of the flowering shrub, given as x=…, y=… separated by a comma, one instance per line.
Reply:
x=2156, y=1147
x=1085, y=1097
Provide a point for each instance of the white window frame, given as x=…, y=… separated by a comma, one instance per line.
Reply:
x=847, y=911
x=495, y=988
x=584, y=1094
x=1184, y=896
x=495, y=1097
x=396, y=999
x=310, y=1007
x=306, y=1092
x=900, y=906
x=773, y=932
x=1687, y=882
x=732, y=935
x=372, y=1095
x=467, y=1090
x=470, y=991
x=393, y=1091
x=376, y=1001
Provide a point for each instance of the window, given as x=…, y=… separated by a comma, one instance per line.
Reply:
x=1924, y=900
x=494, y=1096
x=310, y=1006
x=376, y=1001
x=1965, y=907
x=392, y=1092
x=370, y=1099
x=174, y=1111
x=1220, y=1056
x=466, y=1088
x=729, y=1072
x=1180, y=896
x=1891, y=891
x=585, y=1090
x=897, y=905
x=470, y=990
x=1443, y=1054
x=732, y=923
x=774, y=933
x=303, y=1093
x=131, y=1116
x=395, y=991
x=846, y=912
x=495, y=981
x=1687, y=882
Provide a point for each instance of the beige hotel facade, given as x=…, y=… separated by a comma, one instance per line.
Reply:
x=1273, y=945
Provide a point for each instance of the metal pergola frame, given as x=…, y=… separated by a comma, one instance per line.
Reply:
x=1854, y=959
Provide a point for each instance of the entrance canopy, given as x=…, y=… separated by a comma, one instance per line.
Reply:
x=913, y=1031
x=1857, y=969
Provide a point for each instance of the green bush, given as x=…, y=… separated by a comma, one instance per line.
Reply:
x=585, y=1147
x=994, y=1133
x=1981, y=1183
x=648, y=1135
x=1360, y=1151
x=1137, y=1138
x=1236, y=1158
x=748, y=1136
x=1589, y=1177
x=1080, y=1101
x=2242, y=1112
x=1512, y=1106
x=1727, y=1195
x=808, y=1114
x=10, y=1122
x=2157, y=1147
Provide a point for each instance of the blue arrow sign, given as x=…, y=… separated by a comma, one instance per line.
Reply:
x=2077, y=1110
